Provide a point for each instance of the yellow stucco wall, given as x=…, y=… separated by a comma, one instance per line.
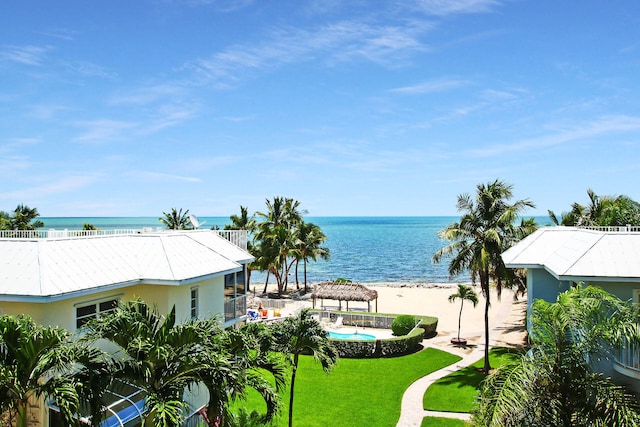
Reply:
x=63, y=313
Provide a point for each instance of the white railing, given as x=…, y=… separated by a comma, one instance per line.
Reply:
x=629, y=357
x=612, y=228
x=235, y=308
x=237, y=237
x=57, y=234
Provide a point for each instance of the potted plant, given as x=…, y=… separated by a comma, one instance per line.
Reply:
x=464, y=293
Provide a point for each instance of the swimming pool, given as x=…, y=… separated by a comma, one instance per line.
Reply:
x=356, y=336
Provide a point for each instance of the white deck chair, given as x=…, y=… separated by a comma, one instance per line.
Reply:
x=338, y=322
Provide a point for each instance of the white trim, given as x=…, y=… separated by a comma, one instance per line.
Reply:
x=194, y=307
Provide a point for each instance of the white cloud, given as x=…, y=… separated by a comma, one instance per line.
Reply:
x=165, y=177
x=148, y=95
x=27, y=55
x=89, y=69
x=602, y=126
x=55, y=186
x=436, y=85
x=340, y=42
x=449, y=7
x=104, y=130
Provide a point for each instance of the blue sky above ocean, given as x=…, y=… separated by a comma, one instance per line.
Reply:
x=366, y=107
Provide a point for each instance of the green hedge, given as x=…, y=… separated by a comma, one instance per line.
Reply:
x=395, y=346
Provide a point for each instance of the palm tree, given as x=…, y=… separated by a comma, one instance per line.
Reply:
x=308, y=238
x=24, y=218
x=303, y=334
x=486, y=229
x=242, y=221
x=464, y=293
x=156, y=354
x=34, y=363
x=5, y=220
x=275, y=235
x=97, y=374
x=236, y=360
x=245, y=222
x=176, y=219
x=554, y=384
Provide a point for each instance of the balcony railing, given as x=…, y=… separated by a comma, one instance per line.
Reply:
x=235, y=308
x=612, y=228
x=237, y=237
x=629, y=358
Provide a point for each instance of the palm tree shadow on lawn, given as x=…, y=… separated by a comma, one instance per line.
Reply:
x=472, y=376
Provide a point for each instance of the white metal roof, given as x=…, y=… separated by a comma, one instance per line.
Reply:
x=572, y=253
x=62, y=267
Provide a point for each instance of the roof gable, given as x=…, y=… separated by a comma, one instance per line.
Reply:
x=568, y=252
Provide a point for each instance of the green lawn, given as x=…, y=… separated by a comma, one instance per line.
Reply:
x=443, y=422
x=457, y=391
x=358, y=392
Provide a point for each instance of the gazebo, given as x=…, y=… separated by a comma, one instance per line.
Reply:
x=344, y=291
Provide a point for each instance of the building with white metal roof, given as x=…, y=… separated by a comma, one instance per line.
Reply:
x=558, y=257
x=67, y=278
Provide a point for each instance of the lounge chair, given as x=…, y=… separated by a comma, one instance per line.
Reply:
x=253, y=315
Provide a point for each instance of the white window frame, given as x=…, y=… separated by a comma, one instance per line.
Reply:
x=194, y=302
x=96, y=304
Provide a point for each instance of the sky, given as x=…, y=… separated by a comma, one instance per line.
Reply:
x=352, y=107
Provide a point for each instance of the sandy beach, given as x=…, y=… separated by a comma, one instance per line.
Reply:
x=431, y=299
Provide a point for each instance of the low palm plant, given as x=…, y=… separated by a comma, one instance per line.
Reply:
x=156, y=354
x=555, y=383
x=34, y=363
x=464, y=293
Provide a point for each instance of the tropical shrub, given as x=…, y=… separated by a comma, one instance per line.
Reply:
x=403, y=324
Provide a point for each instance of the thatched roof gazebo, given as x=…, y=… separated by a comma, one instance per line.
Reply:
x=344, y=291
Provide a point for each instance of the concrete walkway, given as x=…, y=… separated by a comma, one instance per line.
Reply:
x=504, y=330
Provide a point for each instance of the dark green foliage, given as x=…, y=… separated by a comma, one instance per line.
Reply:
x=555, y=384
x=176, y=219
x=600, y=211
x=403, y=324
x=22, y=218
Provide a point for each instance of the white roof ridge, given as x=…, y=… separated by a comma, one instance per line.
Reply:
x=586, y=251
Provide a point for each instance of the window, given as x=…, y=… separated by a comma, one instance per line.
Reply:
x=240, y=284
x=229, y=286
x=88, y=311
x=194, y=303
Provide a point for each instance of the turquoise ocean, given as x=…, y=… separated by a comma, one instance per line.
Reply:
x=363, y=249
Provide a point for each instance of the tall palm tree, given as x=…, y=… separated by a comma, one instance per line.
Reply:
x=308, y=240
x=303, y=334
x=176, y=219
x=24, y=218
x=464, y=293
x=485, y=229
x=554, y=384
x=275, y=235
x=34, y=363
